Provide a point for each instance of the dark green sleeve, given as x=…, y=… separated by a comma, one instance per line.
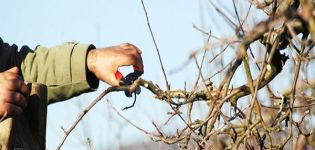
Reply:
x=62, y=68
x=9, y=56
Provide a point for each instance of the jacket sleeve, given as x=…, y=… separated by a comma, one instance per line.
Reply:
x=9, y=56
x=61, y=68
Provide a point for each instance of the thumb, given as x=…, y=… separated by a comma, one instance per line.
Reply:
x=14, y=70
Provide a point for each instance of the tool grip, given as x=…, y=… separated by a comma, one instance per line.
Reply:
x=119, y=76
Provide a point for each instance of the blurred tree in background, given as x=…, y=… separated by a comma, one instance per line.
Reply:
x=277, y=51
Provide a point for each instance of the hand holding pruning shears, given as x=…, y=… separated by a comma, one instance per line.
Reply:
x=104, y=64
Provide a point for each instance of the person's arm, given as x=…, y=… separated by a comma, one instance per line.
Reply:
x=63, y=69
x=71, y=69
x=68, y=70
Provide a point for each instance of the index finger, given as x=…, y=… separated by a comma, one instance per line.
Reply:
x=134, y=60
x=23, y=88
x=17, y=85
x=139, y=66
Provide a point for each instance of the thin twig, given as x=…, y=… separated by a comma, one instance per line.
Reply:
x=130, y=88
x=127, y=120
x=156, y=47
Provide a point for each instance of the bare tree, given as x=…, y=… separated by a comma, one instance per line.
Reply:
x=237, y=117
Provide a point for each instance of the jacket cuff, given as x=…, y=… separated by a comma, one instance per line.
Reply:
x=79, y=69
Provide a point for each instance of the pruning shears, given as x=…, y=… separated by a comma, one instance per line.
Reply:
x=129, y=79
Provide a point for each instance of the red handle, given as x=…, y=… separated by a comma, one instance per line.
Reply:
x=118, y=75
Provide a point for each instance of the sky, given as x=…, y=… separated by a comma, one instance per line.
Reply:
x=106, y=23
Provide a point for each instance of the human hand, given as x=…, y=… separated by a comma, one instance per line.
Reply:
x=104, y=62
x=12, y=93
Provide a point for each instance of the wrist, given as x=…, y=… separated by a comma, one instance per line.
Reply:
x=91, y=78
x=90, y=60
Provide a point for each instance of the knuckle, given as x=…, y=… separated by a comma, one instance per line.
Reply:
x=133, y=59
x=12, y=83
x=18, y=97
x=5, y=97
x=9, y=97
x=10, y=75
x=123, y=45
x=127, y=44
x=24, y=89
x=21, y=100
x=133, y=51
